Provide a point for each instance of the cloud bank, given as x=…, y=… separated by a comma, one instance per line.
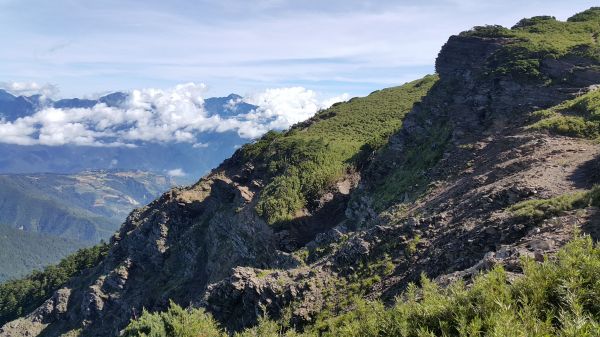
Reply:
x=161, y=116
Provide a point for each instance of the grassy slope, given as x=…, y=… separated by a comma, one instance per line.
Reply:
x=579, y=117
x=304, y=161
x=21, y=252
x=543, y=37
x=539, y=209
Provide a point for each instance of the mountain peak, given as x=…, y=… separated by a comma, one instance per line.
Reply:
x=234, y=96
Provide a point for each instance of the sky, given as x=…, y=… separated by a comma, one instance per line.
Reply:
x=86, y=47
x=288, y=58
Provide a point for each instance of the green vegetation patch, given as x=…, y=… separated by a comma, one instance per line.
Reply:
x=305, y=161
x=545, y=208
x=578, y=117
x=558, y=297
x=176, y=321
x=20, y=297
x=538, y=38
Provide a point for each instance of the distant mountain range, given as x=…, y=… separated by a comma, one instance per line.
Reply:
x=13, y=107
x=86, y=207
x=45, y=216
x=193, y=160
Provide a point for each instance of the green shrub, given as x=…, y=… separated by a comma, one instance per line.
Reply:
x=281, y=199
x=545, y=208
x=592, y=14
x=175, y=322
x=538, y=38
x=489, y=31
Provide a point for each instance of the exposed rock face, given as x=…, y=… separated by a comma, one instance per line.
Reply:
x=205, y=245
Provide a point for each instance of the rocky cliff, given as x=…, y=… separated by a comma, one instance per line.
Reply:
x=434, y=197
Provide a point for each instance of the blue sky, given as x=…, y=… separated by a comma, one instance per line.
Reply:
x=332, y=47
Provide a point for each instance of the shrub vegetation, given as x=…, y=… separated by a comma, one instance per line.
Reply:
x=545, y=208
x=558, y=297
x=579, y=117
x=538, y=38
x=305, y=161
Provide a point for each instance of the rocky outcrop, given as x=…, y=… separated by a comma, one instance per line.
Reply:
x=239, y=300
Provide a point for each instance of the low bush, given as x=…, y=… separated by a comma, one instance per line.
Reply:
x=545, y=208
x=558, y=297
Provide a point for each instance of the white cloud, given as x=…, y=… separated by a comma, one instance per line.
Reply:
x=282, y=107
x=331, y=101
x=29, y=88
x=232, y=104
x=200, y=145
x=176, y=173
x=162, y=116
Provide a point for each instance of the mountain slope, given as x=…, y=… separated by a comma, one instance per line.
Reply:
x=296, y=224
x=85, y=207
x=21, y=252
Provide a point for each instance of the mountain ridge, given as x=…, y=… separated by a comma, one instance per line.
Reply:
x=296, y=223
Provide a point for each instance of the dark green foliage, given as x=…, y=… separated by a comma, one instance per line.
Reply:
x=537, y=38
x=23, y=296
x=558, y=297
x=579, y=117
x=587, y=15
x=489, y=31
x=21, y=252
x=306, y=160
x=546, y=208
x=533, y=21
x=175, y=322
x=284, y=198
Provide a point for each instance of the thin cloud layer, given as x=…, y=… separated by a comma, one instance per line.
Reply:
x=178, y=172
x=29, y=88
x=162, y=116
